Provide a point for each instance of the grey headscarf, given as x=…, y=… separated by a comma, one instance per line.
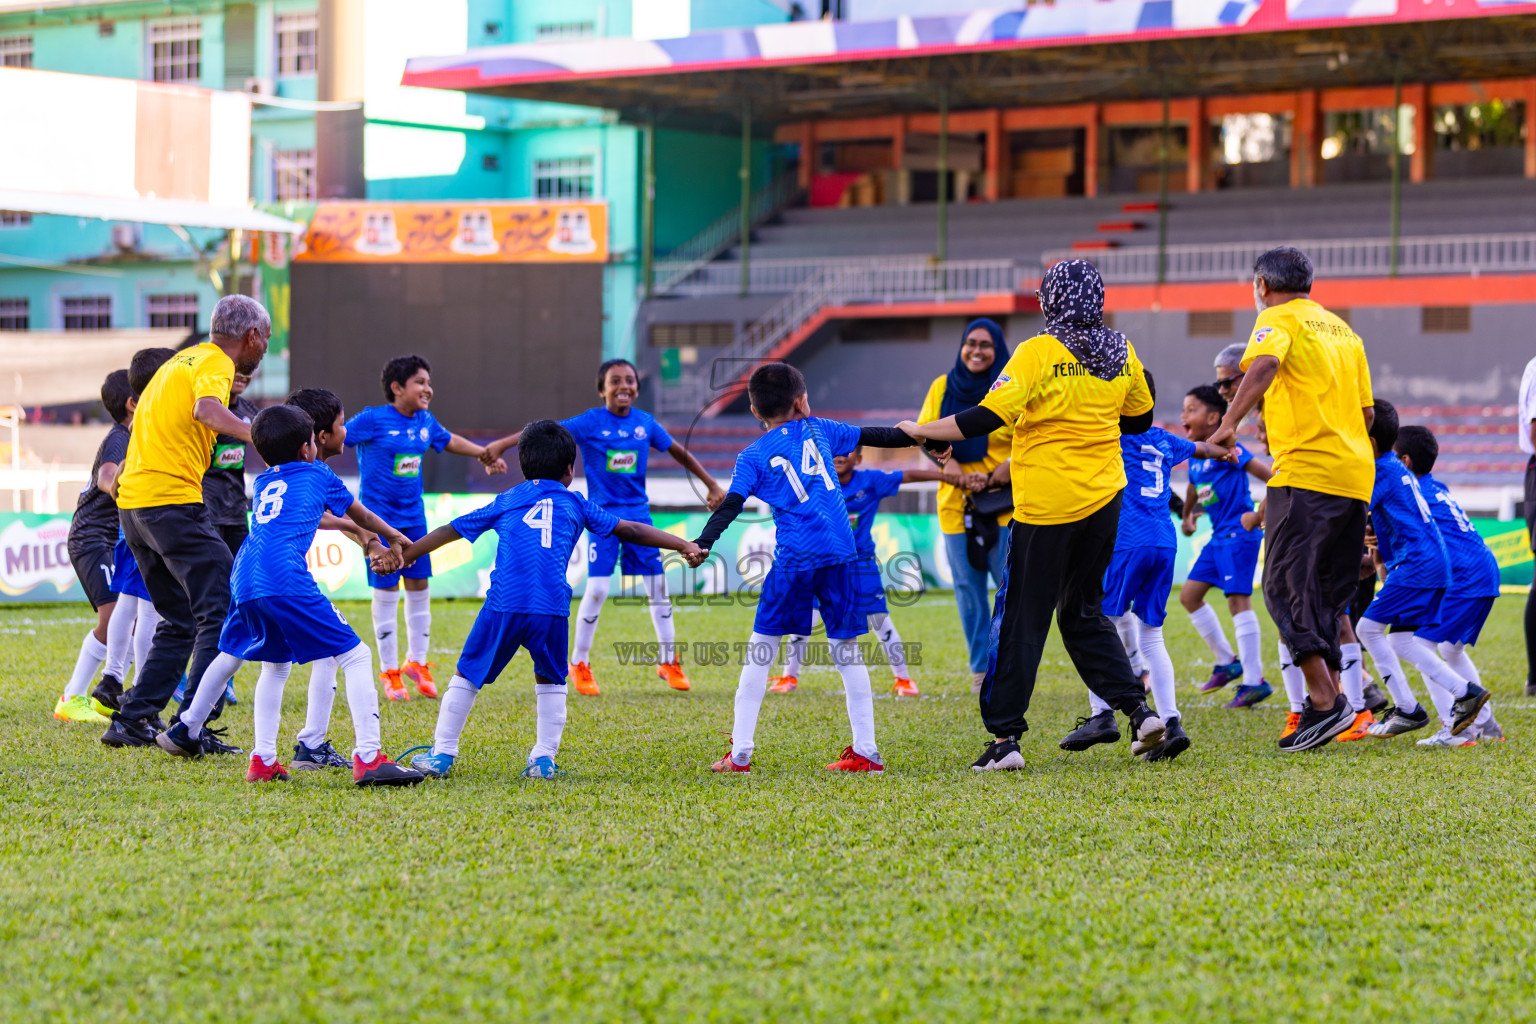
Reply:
x=1072, y=299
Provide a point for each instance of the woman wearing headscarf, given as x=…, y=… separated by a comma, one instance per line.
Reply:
x=979, y=462
x=1067, y=395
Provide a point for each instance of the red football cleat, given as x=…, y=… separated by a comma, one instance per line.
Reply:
x=852, y=761
x=726, y=765
x=260, y=771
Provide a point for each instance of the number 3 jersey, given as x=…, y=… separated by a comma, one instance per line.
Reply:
x=790, y=468
x=1149, y=458
x=1406, y=534
x=285, y=513
x=390, y=447
x=537, y=524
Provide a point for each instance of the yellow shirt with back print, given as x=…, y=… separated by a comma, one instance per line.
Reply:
x=1066, y=429
x=169, y=450
x=1312, y=411
x=951, y=498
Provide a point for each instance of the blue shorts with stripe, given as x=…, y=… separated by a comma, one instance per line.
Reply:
x=784, y=609
x=125, y=572
x=1461, y=620
x=1228, y=561
x=296, y=629
x=603, y=553
x=1408, y=608
x=1139, y=580
x=497, y=636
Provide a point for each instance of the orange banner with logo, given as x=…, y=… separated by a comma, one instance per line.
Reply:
x=531, y=231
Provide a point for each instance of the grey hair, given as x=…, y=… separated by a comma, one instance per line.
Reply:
x=1231, y=357
x=236, y=314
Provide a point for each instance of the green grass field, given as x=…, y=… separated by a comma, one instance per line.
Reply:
x=1372, y=880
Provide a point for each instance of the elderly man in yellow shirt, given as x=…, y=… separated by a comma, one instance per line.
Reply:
x=181, y=555
x=1068, y=393
x=1310, y=369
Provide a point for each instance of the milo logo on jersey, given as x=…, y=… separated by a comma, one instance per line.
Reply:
x=229, y=456
x=407, y=465
x=623, y=462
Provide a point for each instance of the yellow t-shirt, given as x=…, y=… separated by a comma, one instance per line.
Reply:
x=952, y=498
x=169, y=450
x=1313, y=409
x=1066, y=430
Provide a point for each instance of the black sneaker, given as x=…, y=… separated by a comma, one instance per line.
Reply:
x=1375, y=700
x=1175, y=741
x=1318, y=727
x=314, y=759
x=1466, y=709
x=1100, y=728
x=213, y=742
x=108, y=694
x=384, y=773
x=177, y=742
x=1146, y=732
x=1530, y=689
x=156, y=723
x=1397, y=721
x=129, y=732
x=1000, y=756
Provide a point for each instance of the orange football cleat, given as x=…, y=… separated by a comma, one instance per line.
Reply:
x=1292, y=720
x=783, y=684
x=585, y=684
x=1357, y=729
x=904, y=688
x=672, y=672
x=726, y=765
x=852, y=761
x=394, y=686
x=421, y=675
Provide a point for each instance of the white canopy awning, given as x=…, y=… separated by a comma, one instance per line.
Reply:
x=183, y=212
x=64, y=367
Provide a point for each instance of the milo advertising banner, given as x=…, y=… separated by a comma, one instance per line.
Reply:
x=34, y=556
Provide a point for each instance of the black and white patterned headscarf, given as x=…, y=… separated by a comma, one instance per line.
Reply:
x=1072, y=299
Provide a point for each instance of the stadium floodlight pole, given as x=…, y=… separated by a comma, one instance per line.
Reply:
x=943, y=171
x=1397, y=161
x=746, y=194
x=648, y=209
x=1162, y=189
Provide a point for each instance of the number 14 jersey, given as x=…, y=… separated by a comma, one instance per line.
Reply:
x=790, y=468
x=1145, y=521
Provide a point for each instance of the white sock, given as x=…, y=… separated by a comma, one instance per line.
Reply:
x=1456, y=656
x=120, y=637
x=145, y=621
x=1351, y=676
x=794, y=655
x=549, y=720
x=1373, y=635
x=1209, y=627
x=750, y=689
x=1096, y=705
x=452, y=714
x=322, y=695
x=267, y=716
x=386, y=629
x=661, y=617
x=1245, y=626
x=1294, y=680
x=586, y=619
x=1421, y=654
x=209, y=689
x=1125, y=625
x=884, y=629
x=1161, y=667
x=1445, y=704
x=418, y=625
x=92, y=653
x=849, y=659
x=362, y=698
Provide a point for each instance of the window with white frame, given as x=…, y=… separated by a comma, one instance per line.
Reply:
x=171, y=311
x=15, y=219
x=565, y=178
x=296, y=43
x=13, y=315
x=563, y=31
x=176, y=50
x=15, y=51
x=86, y=312
x=293, y=175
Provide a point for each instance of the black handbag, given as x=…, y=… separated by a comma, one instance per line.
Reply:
x=981, y=530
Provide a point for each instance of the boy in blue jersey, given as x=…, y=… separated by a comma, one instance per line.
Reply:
x=1220, y=489
x=815, y=556
x=277, y=614
x=1474, y=585
x=615, y=440
x=528, y=606
x=391, y=440
x=1139, y=580
x=1416, y=571
x=863, y=490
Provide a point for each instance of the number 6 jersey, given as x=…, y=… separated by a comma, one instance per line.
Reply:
x=285, y=513
x=537, y=524
x=790, y=468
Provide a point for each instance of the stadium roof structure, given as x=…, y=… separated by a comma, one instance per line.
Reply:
x=1045, y=53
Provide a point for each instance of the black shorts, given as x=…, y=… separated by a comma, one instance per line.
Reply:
x=1312, y=547
x=93, y=565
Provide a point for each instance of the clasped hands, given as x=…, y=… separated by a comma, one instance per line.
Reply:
x=952, y=473
x=383, y=559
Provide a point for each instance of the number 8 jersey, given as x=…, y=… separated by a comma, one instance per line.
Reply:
x=285, y=513
x=537, y=524
x=790, y=468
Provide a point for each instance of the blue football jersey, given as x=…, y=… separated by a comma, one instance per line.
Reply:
x=1145, y=521
x=1222, y=488
x=1406, y=534
x=537, y=524
x=389, y=450
x=790, y=468
x=1474, y=570
x=614, y=452
x=863, y=493
x=285, y=514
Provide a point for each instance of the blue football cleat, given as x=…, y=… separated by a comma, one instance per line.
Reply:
x=542, y=768
x=1221, y=675
x=1247, y=696
x=431, y=764
x=181, y=690
x=229, y=692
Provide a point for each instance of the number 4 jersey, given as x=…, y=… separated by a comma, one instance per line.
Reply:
x=537, y=524
x=289, y=500
x=790, y=468
x=390, y=447
x=1149, y=458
